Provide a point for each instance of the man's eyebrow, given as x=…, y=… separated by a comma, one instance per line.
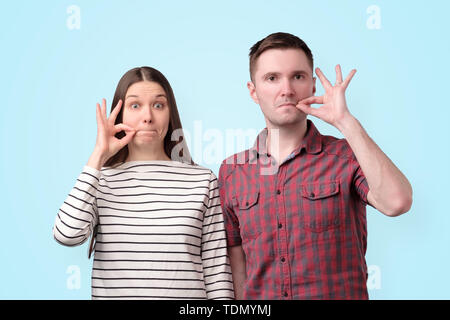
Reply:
x=275, y=73
x=270, y=73
x=300, y=71
x=135, y=96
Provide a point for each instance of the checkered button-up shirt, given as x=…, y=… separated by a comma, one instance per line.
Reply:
x=302, y=226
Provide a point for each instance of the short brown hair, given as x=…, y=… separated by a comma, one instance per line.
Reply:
x=278, y=40
x=149, y=74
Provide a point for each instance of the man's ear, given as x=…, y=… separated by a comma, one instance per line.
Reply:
x=252, y=89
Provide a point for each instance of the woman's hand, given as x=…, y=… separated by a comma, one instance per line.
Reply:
x=107, y=144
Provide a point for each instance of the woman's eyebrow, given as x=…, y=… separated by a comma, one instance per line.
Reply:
x=135, y=96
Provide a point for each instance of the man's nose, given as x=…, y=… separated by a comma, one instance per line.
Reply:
x=286, y=88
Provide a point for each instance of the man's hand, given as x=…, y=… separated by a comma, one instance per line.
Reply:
x=238, y=268
x=390, y=191
x=334, y=107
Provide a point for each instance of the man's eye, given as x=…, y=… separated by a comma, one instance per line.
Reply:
x=299, y=76
x=134, y=106
x=271, y=78
x=158, y=105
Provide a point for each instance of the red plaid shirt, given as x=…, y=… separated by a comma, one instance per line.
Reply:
x=302, y=228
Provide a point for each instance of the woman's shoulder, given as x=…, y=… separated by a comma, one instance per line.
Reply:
x=192, y=167
x=157, y=166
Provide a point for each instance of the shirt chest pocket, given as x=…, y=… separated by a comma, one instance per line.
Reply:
x=247, y=207
x=320, y=206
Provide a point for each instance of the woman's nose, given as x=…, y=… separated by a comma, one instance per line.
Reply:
x=148, y=117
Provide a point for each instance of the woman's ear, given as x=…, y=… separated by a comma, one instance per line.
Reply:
x=314, y=85
x=252, y=89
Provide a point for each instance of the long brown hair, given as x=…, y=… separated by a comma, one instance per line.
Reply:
x=150, y=74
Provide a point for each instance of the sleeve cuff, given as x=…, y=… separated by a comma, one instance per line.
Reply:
x=92, y=171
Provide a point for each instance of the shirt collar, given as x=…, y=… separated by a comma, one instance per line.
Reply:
x=312, y=143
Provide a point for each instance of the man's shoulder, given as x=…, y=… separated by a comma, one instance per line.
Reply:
x=230, y=164
x=337, y=146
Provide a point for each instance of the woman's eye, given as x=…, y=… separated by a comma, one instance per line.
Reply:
x=158, y=105
x=134, y=106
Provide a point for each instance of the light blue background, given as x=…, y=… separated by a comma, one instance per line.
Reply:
x=52, y=77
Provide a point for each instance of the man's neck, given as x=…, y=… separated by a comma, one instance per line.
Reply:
x=282, y=141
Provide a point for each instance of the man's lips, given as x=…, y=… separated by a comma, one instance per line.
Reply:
x=287, y=104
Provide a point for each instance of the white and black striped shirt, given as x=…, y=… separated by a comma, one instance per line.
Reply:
x=160, y=231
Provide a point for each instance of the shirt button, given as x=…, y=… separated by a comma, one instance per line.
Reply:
x=278, y=191
x=285, y=294
x=246, y=203
x=312, y=194
x=283, y=259
x=280, y=226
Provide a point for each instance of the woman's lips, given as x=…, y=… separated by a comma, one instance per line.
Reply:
x=146, y=133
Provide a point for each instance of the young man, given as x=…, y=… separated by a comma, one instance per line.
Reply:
x=295, y=203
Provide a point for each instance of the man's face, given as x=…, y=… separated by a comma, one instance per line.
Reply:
x=281, y=78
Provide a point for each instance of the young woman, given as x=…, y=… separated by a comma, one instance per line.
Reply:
x=155, y=216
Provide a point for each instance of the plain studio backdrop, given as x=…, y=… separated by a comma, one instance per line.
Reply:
x=59, y=58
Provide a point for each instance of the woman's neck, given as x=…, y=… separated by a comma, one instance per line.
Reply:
x=146, y=153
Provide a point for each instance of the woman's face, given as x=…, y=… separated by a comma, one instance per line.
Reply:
x=146, y=110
